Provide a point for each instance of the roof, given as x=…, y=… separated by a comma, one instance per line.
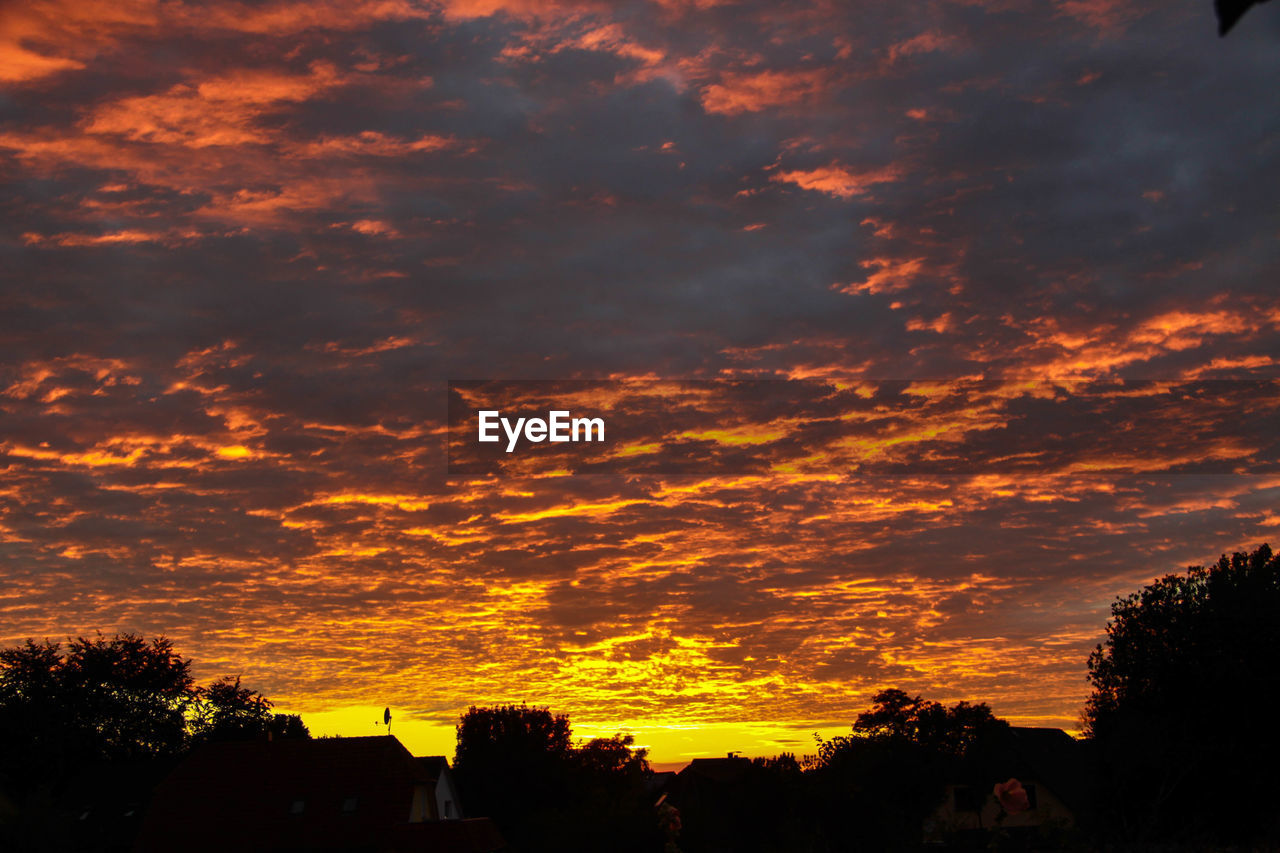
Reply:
x=1048, y=756
x=656, y=782
x=325, y=794
x=436, y=768
x=1043, y=738
x=433, y=766
x=728, y=769
x=103, y=803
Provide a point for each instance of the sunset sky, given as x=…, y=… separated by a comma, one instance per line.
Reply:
x=1017, y=258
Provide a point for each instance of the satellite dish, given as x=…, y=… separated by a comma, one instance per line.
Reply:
x=386, y=719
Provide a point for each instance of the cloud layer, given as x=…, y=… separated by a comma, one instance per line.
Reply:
x=246, y=245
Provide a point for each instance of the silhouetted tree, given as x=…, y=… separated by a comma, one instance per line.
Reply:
x=614, y=757
x=737, y=805
x=875, y=788
x=226, y=711
x=517, y=764
x=515, y=734
x=118, y=699
x=777, y=797
x=950, y=731
x=64, y=711
x=1177, y=708
x=608, y=807
x=512, y=765
x=122, y=698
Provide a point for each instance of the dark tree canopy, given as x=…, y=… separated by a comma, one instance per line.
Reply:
x=951, y=731
x=875, y=788
x=1182, y=633
x=613, y=756
x=101, y=699
x=517, y=731
x=760, y=805
x=227, y=711
x=1176, y=704
x=518, y=765
x=511, y=764
x=118, y=699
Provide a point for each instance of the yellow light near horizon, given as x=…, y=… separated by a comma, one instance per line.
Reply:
x=670, y=745
x=419, y=737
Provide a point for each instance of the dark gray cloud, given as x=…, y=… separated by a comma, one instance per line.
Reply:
x=245, y=247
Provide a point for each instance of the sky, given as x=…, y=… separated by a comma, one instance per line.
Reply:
x=922, y=332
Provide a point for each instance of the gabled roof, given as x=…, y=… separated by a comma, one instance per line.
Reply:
x=433, y=766
x=1049, y=756
x=326, y=794
x=658, y=781
x=728, y=769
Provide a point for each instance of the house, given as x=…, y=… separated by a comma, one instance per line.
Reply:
x=712, y=796
x=725, y=770
x=366, y=794
x=101, y=805
x=95, y=807
x=709, y=782
x=1052, y=769
x=446, y=805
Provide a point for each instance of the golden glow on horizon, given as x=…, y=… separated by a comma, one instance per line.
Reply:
x=670, y=745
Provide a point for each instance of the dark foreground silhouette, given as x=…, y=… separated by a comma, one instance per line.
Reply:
x=109, y=745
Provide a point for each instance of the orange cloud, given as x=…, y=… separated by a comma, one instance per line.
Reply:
x=17, y=64
x=274, y=498
x=740, y=92
x=926, y=42
x=890, y=275
x=1107, y=16
x=218, y=111
x=840, y=181
x=371, y=143
x=1092, y=352
x=68, y=33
